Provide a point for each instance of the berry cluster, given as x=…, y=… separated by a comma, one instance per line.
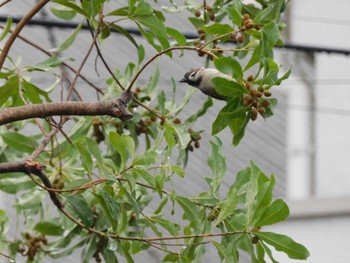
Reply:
x=195, y=138
x=34, y=244
x=208, y=13
x=247, y=24
x=256, y=98
x=208, y=10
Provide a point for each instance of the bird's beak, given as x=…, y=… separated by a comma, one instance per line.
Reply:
x=183, y=80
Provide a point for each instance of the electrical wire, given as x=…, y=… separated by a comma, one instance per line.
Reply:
x=135, y=31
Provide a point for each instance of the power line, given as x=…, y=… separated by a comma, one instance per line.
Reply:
x=135, y=31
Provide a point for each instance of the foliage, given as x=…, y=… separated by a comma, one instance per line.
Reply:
x=108, y=172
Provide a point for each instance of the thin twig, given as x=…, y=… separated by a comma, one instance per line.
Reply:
x=99, y=53
x=2, y=254
x=81, y=67
x=163, y=249
x=35, y=45
x=7, y=46
x=46, y=141
x=4, y=3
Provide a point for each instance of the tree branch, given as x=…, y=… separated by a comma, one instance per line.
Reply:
x=5, y=50
x=32, y=167
x=115, y=108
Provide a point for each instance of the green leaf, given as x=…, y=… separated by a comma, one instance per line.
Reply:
x=48, y=64
x=284, y=244
x=270, y=36
x=271, y=12
x=222, y=120
x=218, y=29
x=69, y=41
x=71, y=5
x=228, y=88
x=89, y=249
x=63, y=12
x=178, y=170
x=238, y=126
x=125, y=33
x=182, y=135
x=92, y=7
x=268, y=252
x=171, y=227
x=19, y=141
x=149, y=37
x=207, y=104
x=60, y=253
x=234, y=14
x=79, y=206
x=33, y=92
x=109, y=206
x=228, y=206
x=49, y=228
x=94, y=149
x=143, y=9
x=30, y=200
x=284, y=77
x=223, y=252
x=252, y=191
x=190, y=209
x=141, y=54
x=6, y=28
x=217, y=164
x=255, y=58
x=260, y=251
x=229, y=66
x=153, y=24
x=86, y=160
x=271, y=71
x=177, y=35
x=148, y=158
x=276, y=212
x=14, y=185
x=9, y=89
x=131, y=199
x=124, y=145
x=123, y=11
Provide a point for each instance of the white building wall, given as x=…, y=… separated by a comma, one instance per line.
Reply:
x=320, y=222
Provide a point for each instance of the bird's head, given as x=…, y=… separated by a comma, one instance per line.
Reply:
x=193, y=77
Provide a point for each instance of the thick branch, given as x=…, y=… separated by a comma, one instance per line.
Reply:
x=5, y=50
x=32, y=167
x=115, y=108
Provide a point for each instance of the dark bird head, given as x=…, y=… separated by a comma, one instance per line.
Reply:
x=193, y=77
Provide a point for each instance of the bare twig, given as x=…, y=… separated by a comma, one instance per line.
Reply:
x=2, y=254
x=47, y=139
x=81, y=67
x=7, y=46
x=4, y=3
x=35, y=45
x=163, y=249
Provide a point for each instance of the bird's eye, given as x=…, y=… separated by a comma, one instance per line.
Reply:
x=192, y=75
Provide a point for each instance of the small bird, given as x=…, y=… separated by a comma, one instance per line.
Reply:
x=201, y=78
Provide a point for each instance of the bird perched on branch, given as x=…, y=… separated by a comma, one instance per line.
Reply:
x=201, y=78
